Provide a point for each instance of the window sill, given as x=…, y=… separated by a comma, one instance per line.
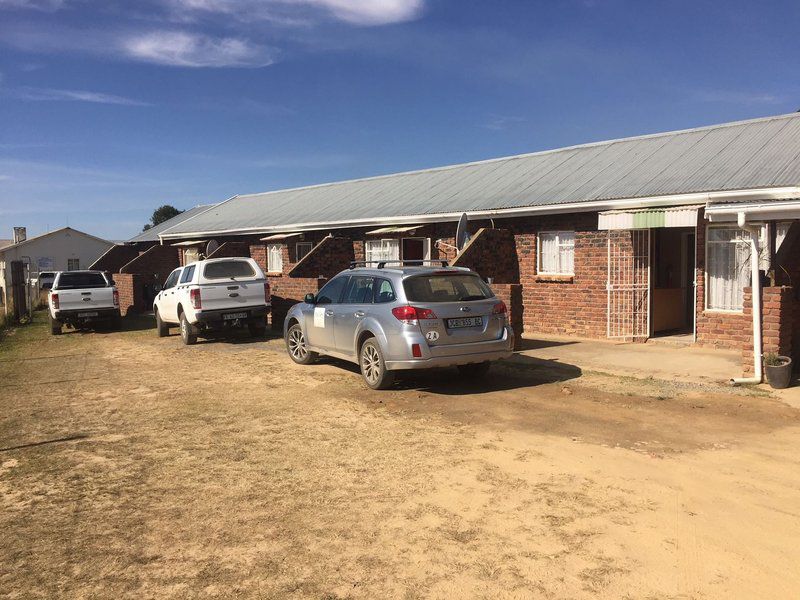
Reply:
x=722, y=311
x=543, y=278
x=274, y=274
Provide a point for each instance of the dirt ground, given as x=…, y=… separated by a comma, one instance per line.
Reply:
x=132, y=466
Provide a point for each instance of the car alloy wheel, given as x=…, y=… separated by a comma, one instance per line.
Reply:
x=297, y=344
x=371, y=364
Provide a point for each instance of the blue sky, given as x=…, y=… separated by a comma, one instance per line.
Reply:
x=111, y=108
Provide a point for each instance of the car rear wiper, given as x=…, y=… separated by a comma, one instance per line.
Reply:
x=468, y=298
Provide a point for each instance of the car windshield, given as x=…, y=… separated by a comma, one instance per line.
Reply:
x=80, y=281
x=446, y=288
x=229, y=269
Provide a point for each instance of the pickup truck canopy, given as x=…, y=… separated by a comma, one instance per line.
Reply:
x=80, y=280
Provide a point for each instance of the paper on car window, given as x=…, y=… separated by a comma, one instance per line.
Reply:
x=319, y=317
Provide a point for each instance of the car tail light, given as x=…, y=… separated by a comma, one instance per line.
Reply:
x=499, y=308
x=267, y=293
x=416, y=351
x=116, y=298
x=194, y=296
x=54, y=297
x=411, y=314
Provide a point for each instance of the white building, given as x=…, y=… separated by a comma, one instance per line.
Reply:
x=64, y=249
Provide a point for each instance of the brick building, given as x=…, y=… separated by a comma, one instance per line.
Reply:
x=628, y=239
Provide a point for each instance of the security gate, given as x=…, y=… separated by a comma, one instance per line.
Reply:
x=628, y=284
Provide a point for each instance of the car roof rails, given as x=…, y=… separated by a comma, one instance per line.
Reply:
x=403, y=263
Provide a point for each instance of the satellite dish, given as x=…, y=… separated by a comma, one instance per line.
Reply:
x=211, y=247
x=462, y=235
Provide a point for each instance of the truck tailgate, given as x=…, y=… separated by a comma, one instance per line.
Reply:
x=86, y=299
x=232, y=294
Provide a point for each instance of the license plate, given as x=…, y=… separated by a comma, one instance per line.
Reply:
x=87, y=314
x=465, y=322
x=232, y=316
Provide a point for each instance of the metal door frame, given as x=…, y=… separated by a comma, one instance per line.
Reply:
x=627, y=289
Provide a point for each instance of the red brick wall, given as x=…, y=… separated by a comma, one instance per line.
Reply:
x=116, y=257
x=563, y=305
x=777, y=323
x=286, y=291
x=231, y=250
x=511, y=294
x=131, y=292
x=157, y=261
x=491, y=253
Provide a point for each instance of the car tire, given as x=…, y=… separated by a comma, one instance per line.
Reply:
x=257, y=330
x=475, y=371
x=188, y=331
x=55, y=326
x=373, y=367
x=162, y=329
x=297, y=348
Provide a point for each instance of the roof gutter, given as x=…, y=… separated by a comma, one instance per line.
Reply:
x=499, y=213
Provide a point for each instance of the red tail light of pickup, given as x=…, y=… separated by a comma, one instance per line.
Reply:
x=54, y=298
x=116, y=298
x=267, y=293
x=197, y=301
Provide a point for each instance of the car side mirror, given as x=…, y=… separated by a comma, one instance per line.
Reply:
x=310, y=299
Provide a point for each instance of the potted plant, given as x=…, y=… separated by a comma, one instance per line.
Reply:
x=778, y=369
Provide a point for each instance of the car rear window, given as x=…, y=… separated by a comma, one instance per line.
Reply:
x=446, y=288
x=229, y=269
x=80, y=281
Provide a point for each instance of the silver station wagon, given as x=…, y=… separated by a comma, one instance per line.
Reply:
x=397, y=315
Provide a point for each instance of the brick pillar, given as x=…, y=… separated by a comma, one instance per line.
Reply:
x=776, y=323
x=511, y=294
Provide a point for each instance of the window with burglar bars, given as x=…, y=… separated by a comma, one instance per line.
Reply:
x=275, y=258
x=378, y=250
x=73, y=264
x=727, y=267
x=556, y=253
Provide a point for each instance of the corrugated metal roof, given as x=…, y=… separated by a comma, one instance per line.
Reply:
x=733, y=156
x=151, y=235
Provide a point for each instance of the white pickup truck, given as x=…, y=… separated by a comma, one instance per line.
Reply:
x=213, y=295
x=83, y=299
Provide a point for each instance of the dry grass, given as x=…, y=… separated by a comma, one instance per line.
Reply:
x=136, y=467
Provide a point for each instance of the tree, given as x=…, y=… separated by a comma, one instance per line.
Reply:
x=161, y=214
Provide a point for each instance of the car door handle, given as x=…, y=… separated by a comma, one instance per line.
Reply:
x=360, y=313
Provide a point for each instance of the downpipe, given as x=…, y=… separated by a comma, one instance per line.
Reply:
x=755, y=285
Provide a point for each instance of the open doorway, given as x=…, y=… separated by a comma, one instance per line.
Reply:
x=416, y=249
x=673, y=282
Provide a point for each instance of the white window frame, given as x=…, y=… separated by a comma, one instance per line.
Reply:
x=274, y=258
x=387, y=249
x=707, y=279
x=560, y=245
x=297, y=246
x=70, y=260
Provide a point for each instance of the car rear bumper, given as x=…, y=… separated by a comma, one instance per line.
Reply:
x=97, y=314
x=214, y=318
x=455, y=354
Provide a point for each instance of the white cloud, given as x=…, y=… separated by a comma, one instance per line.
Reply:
x=48, y=94
x=184, y=49
x=45, y=5
x=372, y=12
x=294, y=12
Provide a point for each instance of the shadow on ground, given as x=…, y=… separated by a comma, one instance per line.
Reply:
x=516, y=373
